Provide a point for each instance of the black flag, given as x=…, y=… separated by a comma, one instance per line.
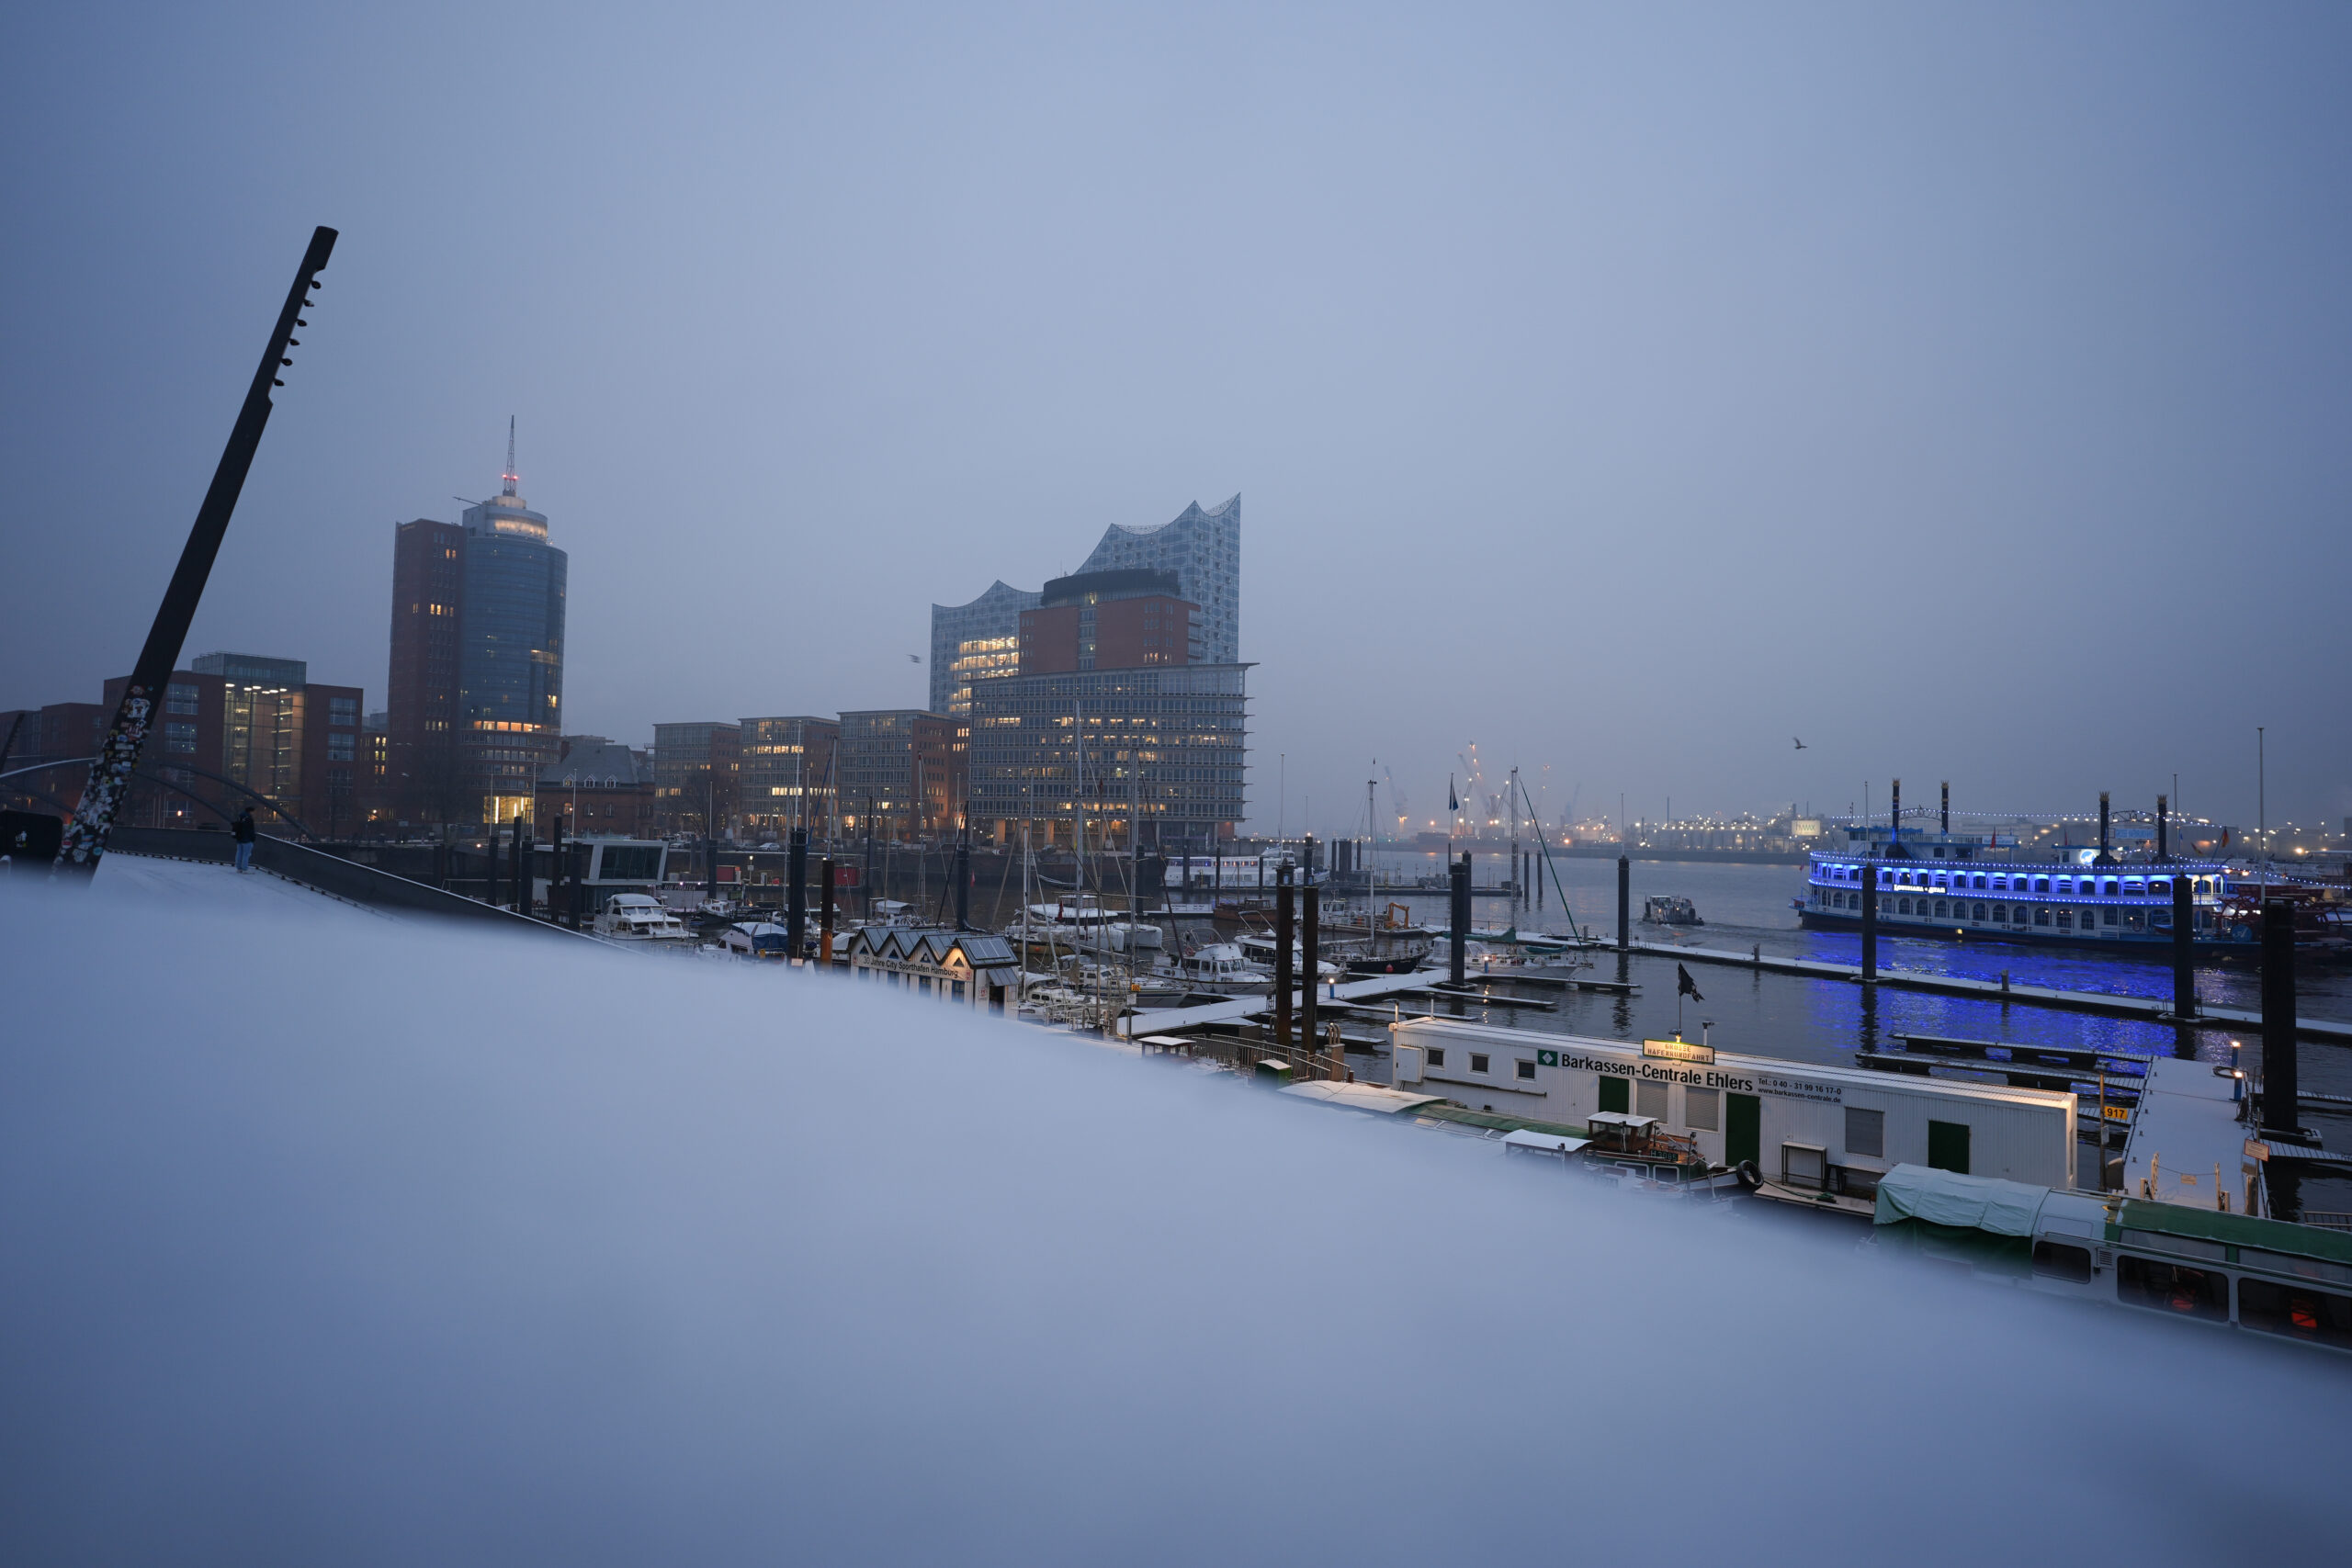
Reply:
x=1684, y=985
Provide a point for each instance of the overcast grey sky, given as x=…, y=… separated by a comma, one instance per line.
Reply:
x=1962, y=390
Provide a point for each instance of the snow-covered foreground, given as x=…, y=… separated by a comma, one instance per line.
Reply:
x=325, y=1237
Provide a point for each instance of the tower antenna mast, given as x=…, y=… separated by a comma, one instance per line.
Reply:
x=511, y=477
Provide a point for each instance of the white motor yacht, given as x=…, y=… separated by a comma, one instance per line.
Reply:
x=640, y=918
x=1262, y=951
x=1220, y=967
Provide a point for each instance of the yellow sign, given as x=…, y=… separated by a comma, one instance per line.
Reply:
x=2115, y=1112
x=1680, y=1050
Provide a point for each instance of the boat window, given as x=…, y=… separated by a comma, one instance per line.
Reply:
x=1699, y=1109
x=1527, y=1070
x=1865, y=1132
x=2066, y=919
x=1478, y=1062
x=2160, y=888
x=2042, y=885
x=2041, y=916
x=2110, y=887
x=2169, y=1287
x=1903, y=906
x=1979, y=914
x=2058, y=1260
x=2110, y=916
x=2090, y=919
x=2298, y=1312
x=1437, y=1056
x=1666, y=1173
x=2000, y=912
x=1979, y=879
x=1941, y=909
x=2065, y=885
x=2002, y=883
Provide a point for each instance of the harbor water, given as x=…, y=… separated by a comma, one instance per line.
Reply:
x=1748, y=907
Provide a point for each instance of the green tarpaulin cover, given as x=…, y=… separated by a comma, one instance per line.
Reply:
x=1945, y=1198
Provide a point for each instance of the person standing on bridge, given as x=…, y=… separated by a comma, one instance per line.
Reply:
x=244, y=829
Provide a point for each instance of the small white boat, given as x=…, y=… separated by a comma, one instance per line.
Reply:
x=757, y=938
x=1220, y=967
x=1262, y=951
x=640, y=918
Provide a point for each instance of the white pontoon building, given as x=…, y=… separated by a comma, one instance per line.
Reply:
x=1834, y=1129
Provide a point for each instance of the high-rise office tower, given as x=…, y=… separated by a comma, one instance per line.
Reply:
x=1204, y=550
x=474, y=708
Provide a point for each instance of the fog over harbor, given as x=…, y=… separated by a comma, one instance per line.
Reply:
x=1625, y=390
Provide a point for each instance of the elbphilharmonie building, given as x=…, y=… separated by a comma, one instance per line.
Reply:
x=977, y=640
x=1096, y=726
x=1204, y=550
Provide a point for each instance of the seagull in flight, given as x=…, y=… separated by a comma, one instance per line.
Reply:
x=1799, y=744
x=914, y=659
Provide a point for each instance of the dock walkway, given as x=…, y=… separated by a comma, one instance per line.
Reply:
x=2147, y=1008
x=1241, y=1007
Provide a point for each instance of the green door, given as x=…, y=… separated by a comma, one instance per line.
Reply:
x=1743, y=1128
x=1613, y=1092
x=1948, y=1146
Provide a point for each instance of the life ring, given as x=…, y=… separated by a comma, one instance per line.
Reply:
x=1749, y=1177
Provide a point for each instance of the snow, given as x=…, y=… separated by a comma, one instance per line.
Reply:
x=325, y=1236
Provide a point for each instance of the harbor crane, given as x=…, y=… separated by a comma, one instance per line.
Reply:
x=1396, y=798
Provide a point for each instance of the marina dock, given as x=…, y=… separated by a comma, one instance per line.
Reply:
x=2150, y=1010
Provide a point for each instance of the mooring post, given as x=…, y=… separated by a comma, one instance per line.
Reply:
x=1458, y=920
x=1282, y=969
x=796, y=895
x=2281, y=1107
x=1624, y=904
x=1869, y=921
x=522, y=869
x=555, y=874
x=490, y=867
x=825, y=915
x=1310, y=900
x=2184, y=936
x=964, y=887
